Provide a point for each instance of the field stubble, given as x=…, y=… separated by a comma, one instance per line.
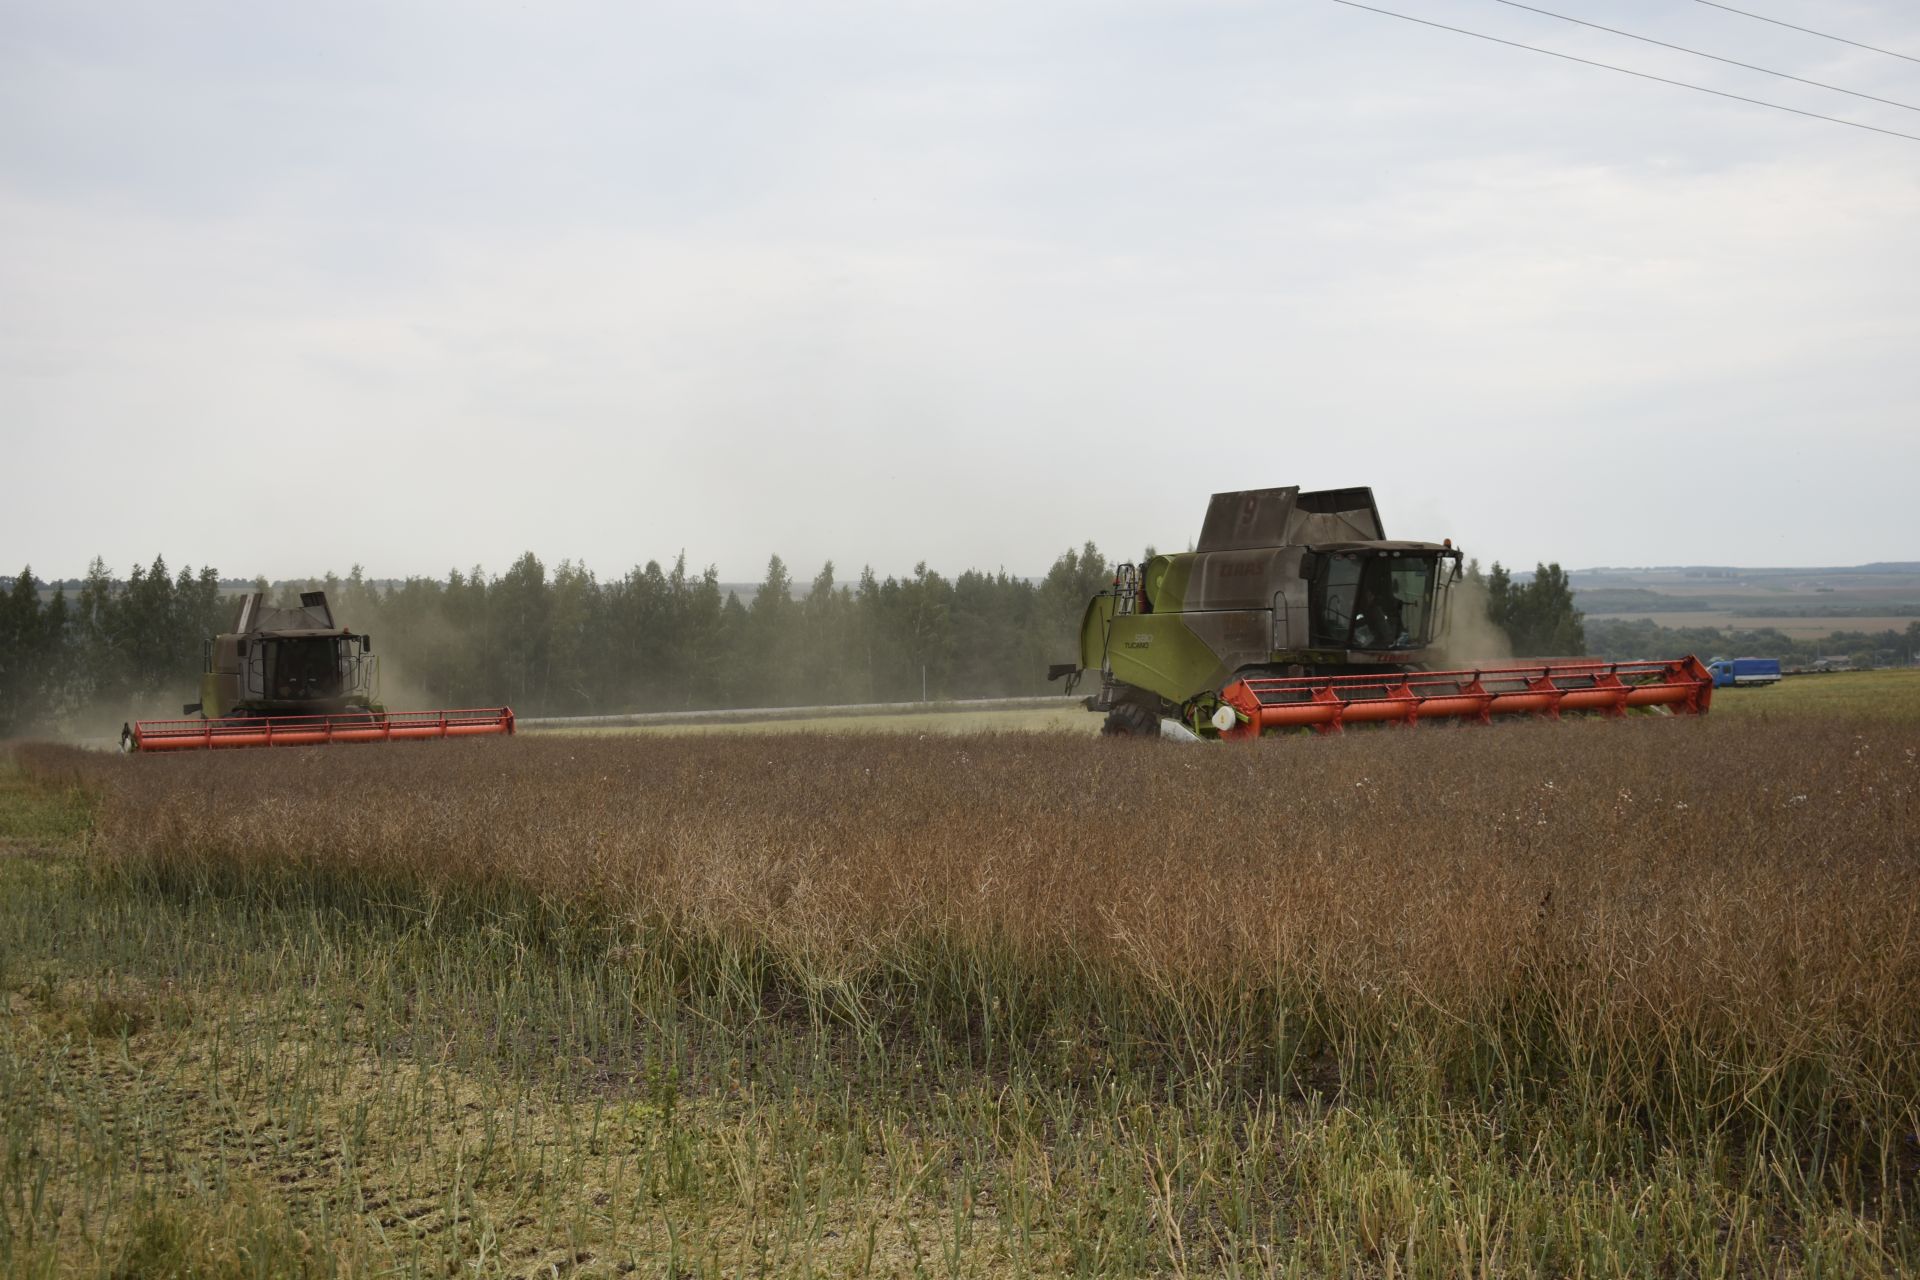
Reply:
x=1546, y=999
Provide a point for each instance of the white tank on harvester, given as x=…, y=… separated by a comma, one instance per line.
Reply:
x=287, y=677
x=1296, y=611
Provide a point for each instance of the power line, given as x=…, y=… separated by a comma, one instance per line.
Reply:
x=1760, y=17
x=1732, y=62
x=1643, y=75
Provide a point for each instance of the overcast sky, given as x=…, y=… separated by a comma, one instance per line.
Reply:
x=289, y=287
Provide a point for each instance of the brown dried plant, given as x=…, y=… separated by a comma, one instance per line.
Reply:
x=1685, y=929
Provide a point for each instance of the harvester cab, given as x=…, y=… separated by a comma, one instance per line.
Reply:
x=1296, y=610
x=293, y=677
x=287, y=662
x=1369, y=600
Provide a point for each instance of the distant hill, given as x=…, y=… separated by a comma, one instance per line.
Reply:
x=1615, y=573
x=1799, y=601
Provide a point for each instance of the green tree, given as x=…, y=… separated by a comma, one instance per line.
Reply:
x=826, y=641
x=1074, y=578
x=873, y=649
x=472, y=679
x=925, y=612
x=703, y=622
x=1538, y=616
x=358, y=603
x=1500, y=600
x=519, y=604
x=57, y=652
x=996, y=646
x=766, y=649
x=101, y=667
x=573, y=618
x=731, y=685
x=146, y=625
x=423, y=654
x=22, y=655
x=1554, y=626
x=639, y=653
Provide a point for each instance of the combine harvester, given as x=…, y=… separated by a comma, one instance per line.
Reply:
x=1296, y=612
x=291, y=678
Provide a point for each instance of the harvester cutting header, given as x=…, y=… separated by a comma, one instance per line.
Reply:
x=292, y=677
x=1296, y=611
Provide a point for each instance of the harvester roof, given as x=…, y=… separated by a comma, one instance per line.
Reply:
x=313, y=617
x=1379, y=544
x=1248, y=519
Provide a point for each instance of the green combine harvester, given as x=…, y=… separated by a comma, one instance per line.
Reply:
x=1296, y=611
x=294, y=677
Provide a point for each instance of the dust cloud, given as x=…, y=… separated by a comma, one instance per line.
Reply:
x=1472, y=638
x=97, y=722
x=397, y=692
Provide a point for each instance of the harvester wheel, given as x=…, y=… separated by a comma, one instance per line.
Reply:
x=1131, y=720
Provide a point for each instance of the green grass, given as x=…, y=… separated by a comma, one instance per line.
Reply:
x=207, y=1082
x=38, y=816
x=202, y=1083
x=1868, y=695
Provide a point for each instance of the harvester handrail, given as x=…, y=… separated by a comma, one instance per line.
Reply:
x=318, y=730
x=1578, y=667
x=1328, y=703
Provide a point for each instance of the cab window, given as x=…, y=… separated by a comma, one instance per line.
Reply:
x=1374, y=600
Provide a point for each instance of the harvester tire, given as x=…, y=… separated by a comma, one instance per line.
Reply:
x=1131, y=720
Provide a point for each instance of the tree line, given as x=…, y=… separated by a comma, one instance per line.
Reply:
x=1646, y=638
x=110, y=641
x=1537, y=615
x=562, y=641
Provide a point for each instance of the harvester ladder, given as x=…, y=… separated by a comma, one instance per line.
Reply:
x=1126, y=589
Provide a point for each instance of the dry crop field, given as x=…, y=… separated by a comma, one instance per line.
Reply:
x=1887, y=695
x=1578, y=999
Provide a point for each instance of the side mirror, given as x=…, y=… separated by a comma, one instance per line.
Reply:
x=366, y=644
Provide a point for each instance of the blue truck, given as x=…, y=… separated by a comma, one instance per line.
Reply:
x=1744, y=671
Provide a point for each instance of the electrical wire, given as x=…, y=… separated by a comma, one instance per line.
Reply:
x=1643, y=75
x=1760, y=17
x=1732, y=62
